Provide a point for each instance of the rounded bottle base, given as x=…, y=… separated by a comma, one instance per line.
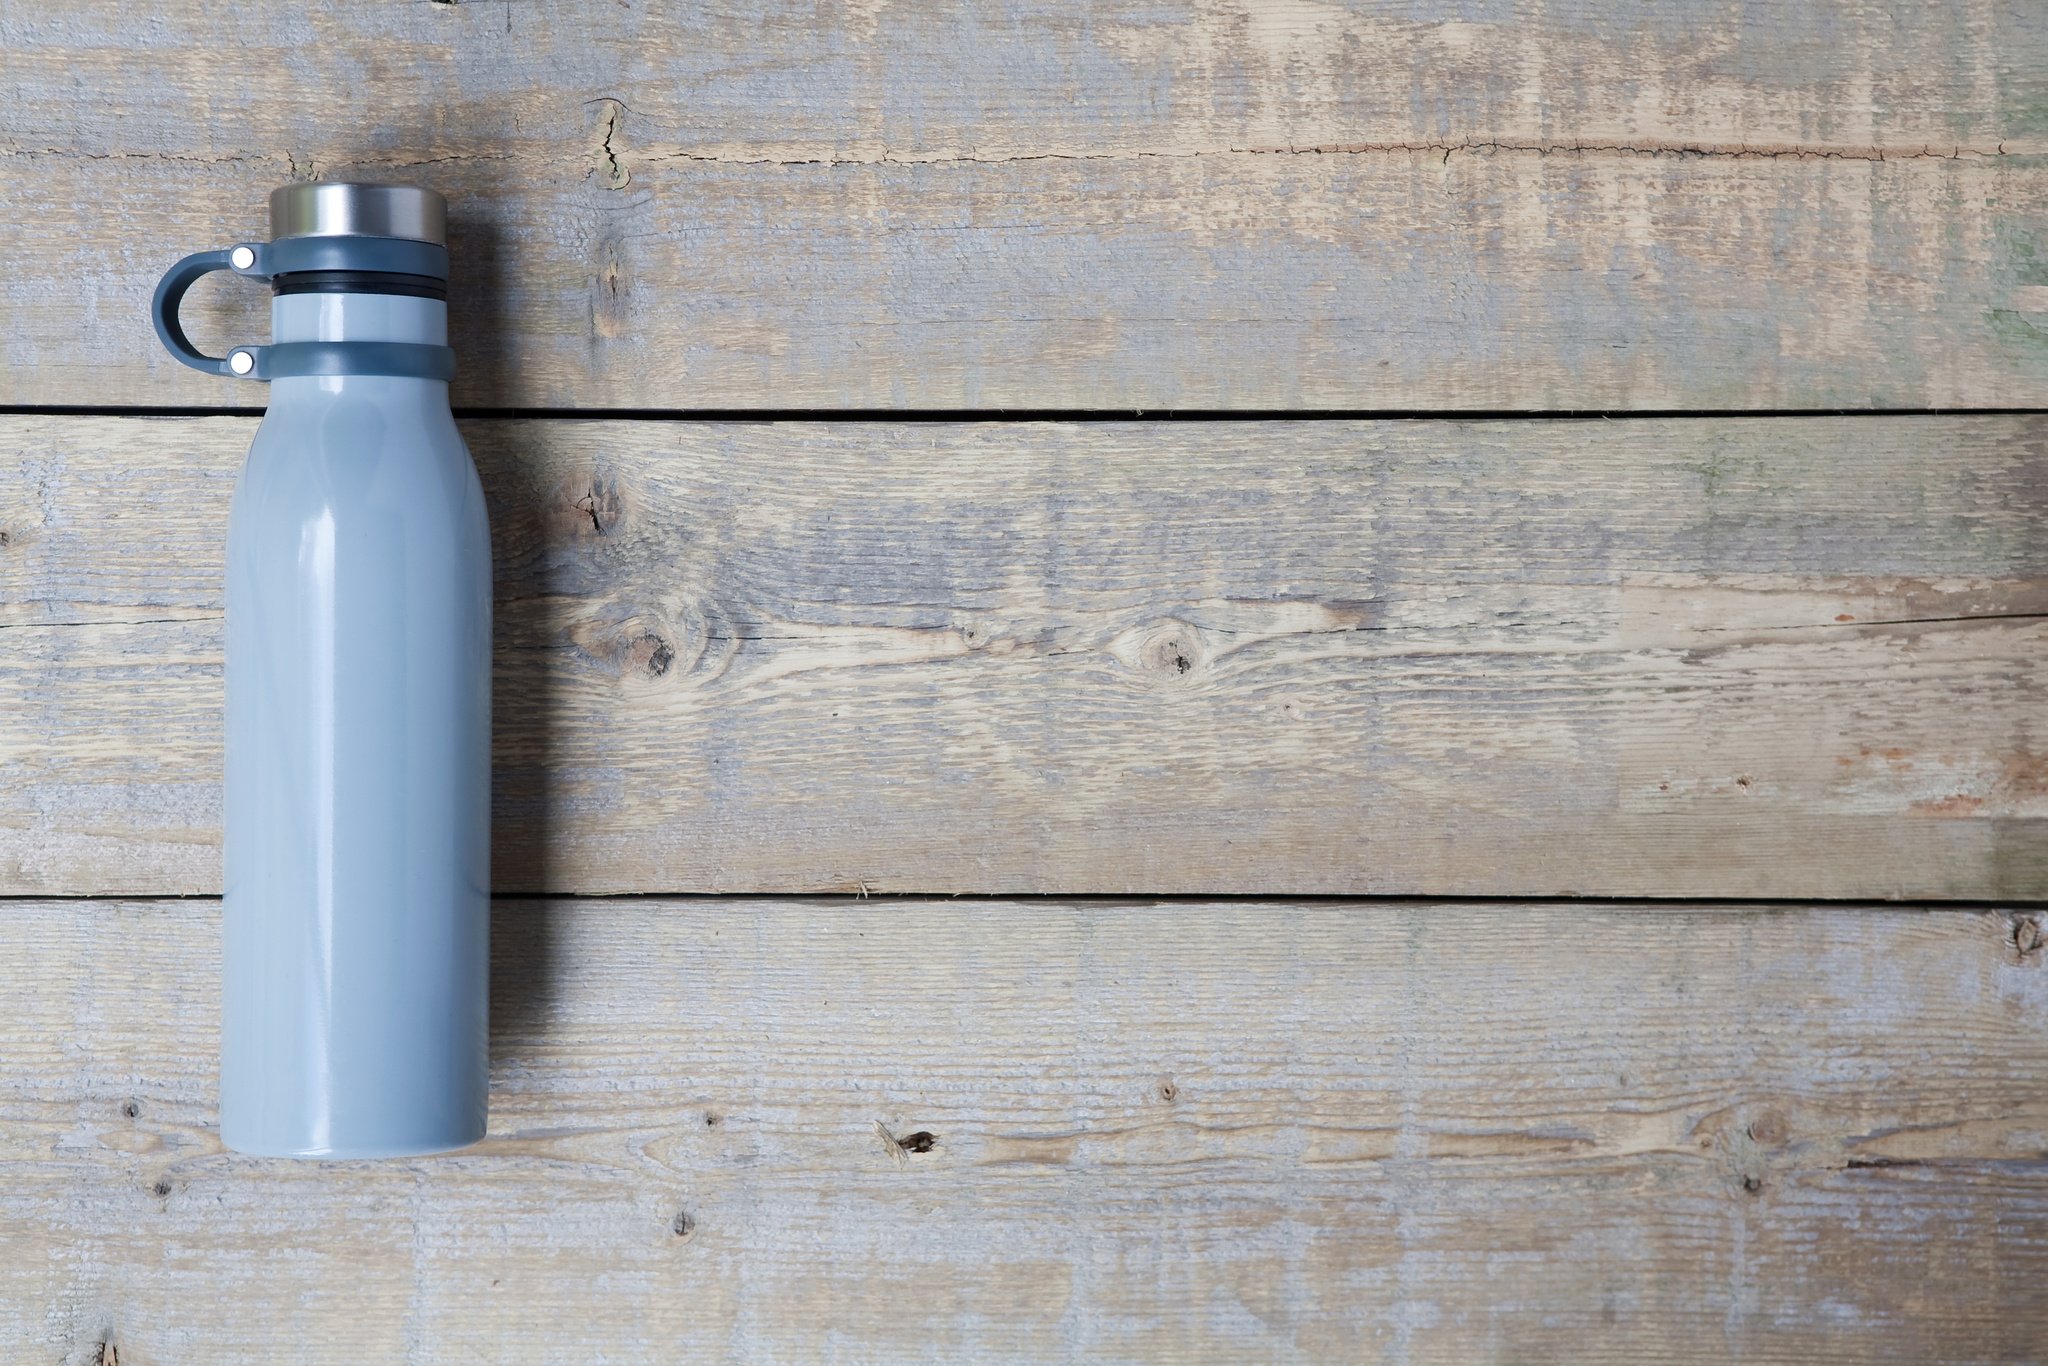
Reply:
x=421, y=1147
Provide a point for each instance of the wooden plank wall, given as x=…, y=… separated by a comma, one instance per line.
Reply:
x=1004, y=887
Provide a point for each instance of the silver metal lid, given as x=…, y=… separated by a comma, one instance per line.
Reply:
x=342, y=210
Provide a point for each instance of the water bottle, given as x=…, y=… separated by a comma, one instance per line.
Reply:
x=355, y=966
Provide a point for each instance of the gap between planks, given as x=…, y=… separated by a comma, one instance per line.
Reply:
x=911, y=416
x=2021, y=907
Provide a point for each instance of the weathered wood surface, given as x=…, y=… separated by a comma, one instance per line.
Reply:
x=1153, y=1132
x=1540, y=206
x=1745, y=657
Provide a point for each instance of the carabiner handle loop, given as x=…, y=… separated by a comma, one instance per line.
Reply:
x=262, y=260
x=239, y=363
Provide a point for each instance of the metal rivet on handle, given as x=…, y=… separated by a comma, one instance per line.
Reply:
x=241, y=258
x=241, y=362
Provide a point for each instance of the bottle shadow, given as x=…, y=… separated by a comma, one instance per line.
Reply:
x=511, y=463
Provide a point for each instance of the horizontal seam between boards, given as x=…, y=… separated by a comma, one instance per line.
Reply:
x=884, y=416
x=1140, y=899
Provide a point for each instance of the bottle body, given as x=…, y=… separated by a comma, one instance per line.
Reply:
x=356, y=915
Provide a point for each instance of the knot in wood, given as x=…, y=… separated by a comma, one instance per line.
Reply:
x=1172, y=650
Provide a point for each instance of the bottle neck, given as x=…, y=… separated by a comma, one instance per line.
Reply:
x=358, y=317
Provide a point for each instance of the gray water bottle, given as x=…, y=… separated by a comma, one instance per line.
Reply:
x=357, y=909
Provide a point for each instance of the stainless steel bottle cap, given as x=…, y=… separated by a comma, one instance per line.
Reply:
x=341, y=210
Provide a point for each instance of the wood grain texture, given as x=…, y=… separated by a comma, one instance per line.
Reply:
x=1197, y=205
x=1149, y=1132
x=1747, y=657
